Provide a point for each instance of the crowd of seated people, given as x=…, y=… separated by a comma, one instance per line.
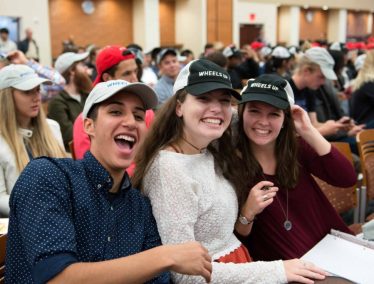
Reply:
x=199, y=168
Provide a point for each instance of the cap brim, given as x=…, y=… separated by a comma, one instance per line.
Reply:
x=31, y=83
x=144, y=92
x=265, y=98
x=329, y=73
x=206, y=87
x=81, y=56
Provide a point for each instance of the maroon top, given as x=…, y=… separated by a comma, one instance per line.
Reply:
x=310, y=212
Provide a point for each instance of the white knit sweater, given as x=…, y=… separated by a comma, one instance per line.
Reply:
x=192, y=201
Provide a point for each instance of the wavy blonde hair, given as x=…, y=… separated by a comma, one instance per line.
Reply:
x=42, y=142
x=366, y=74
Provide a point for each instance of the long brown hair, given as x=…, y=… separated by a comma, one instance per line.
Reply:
x=168, y=129
x=42, y=142
x=286, y=154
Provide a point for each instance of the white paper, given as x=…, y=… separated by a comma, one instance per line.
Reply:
x=4, y=226
x=343, y=258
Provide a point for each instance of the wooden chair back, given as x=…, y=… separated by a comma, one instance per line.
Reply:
x=342, y=199
x=3, y=239
x=365, y=143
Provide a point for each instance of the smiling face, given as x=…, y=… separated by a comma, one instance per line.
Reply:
x=262, y=123
x=205, y=117
x=117, y=131
x=169, y=66
x=27, y=104
x=127, y=70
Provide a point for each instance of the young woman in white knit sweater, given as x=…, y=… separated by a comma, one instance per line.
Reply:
x=187, y=180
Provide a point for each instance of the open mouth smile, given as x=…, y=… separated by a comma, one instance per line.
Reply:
x=125, y=141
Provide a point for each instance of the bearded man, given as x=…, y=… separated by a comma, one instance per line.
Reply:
x=68, y=104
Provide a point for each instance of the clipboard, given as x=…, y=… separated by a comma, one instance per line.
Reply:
x=345, y=256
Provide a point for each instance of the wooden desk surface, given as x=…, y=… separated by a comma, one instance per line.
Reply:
x=334, y=280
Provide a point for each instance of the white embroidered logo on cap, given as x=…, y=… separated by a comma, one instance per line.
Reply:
x=212, y=73
x=25, y=74
x=264, y=86
x=116, y=83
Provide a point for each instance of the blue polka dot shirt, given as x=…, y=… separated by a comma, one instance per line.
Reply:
x=61, y=212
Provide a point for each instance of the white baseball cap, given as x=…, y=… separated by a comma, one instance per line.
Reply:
x=104, y=90
x=265, y=51
x=336, y=46
x=325, y=61
x=65, y=60
x=20, y=77
x=281, y=52
x=359, y=62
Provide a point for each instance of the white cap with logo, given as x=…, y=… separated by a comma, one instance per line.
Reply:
x=104, y=90
x=65, y=60
x=20, y=77
x=325, y=61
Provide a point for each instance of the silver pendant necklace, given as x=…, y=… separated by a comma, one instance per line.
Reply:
x=287, y=224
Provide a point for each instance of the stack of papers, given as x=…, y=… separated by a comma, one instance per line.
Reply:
x=345, y=256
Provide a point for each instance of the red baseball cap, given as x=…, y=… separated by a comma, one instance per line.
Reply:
x=110, y=56
x=370, y=45
x=257, y=45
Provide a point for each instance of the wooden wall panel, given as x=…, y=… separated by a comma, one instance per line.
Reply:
x=167, y=22
x=357, y=24
x=212, y=30
x=219, y=21
x=111, y=23
x=317, y=28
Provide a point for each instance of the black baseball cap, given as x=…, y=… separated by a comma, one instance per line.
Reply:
x=269, y=88
x=166, y=51
x=201, y=76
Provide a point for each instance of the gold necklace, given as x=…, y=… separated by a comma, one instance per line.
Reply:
x=287, y=223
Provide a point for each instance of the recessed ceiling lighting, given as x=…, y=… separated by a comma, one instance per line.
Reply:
x=306, y=6
x=325, y=8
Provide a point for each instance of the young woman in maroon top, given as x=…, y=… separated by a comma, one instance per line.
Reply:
x=281, y=150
